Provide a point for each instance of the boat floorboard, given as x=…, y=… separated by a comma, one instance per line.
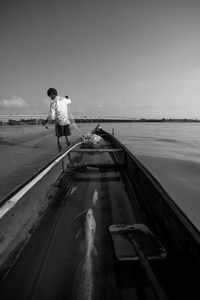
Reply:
x=55, y=263
x=50, y=265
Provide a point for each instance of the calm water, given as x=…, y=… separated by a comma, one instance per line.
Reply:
x=171, y=151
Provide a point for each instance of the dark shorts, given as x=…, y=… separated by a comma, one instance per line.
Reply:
x=62, y=130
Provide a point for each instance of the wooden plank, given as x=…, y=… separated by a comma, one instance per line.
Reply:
x=156, y=287
x=99, y=166
x=150, y=245
x=98, y=150
x=137, y=247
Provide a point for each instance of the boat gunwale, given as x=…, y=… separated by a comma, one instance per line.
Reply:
x=150, y=177
x=180, y=214
x=14, y=196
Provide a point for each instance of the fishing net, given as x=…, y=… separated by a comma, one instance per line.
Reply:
x=92, y=141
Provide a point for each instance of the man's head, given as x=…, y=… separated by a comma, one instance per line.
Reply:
x=52, y=93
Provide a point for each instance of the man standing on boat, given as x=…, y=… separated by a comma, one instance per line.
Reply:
x=60, y=113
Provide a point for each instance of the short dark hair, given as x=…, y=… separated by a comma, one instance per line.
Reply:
x=52, y=91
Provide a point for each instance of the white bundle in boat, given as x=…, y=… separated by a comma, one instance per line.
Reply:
x=92, y=141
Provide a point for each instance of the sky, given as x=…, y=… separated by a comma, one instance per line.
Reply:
x=127, y=58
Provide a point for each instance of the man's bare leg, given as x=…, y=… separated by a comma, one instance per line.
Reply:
x=59, y=145
x=67, y=141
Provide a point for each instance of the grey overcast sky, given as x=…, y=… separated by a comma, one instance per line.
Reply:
x=112, y=57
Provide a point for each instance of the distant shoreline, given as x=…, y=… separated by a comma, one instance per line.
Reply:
x=14, y=122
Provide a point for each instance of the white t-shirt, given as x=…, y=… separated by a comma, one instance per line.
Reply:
x=59, y=110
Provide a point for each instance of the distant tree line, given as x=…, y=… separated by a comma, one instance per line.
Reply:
x=35, y=121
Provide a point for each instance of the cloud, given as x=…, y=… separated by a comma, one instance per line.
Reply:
x=14, y=102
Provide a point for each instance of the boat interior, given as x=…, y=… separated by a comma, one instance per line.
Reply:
x=73, y=252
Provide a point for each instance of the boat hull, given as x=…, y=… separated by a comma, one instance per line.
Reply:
x=70, y=252
x=166, y=218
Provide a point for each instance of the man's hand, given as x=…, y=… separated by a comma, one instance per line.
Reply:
x=44, y=122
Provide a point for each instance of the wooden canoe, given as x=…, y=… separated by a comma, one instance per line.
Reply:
x=62, y=233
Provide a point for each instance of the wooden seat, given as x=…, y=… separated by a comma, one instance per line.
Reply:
x=98, y=150
x=148, y=243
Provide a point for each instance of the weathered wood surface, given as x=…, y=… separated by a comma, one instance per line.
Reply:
x=100, y=150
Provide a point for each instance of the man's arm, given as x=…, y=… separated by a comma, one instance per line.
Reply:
x=51, y=115
x=44, y=122
x=70, y=116
x=71, y=119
